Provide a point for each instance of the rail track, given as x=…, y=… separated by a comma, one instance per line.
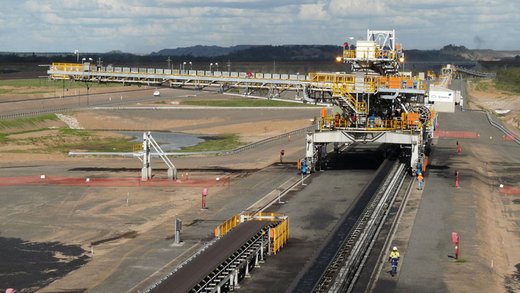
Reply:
x=341, y=258
x=337, y=266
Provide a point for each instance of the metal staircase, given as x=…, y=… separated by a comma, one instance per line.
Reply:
x=345, y=98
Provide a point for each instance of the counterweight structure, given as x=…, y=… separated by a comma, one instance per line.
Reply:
x=375, y=104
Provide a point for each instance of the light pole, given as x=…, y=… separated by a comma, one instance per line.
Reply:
x=210, y=67
x=77, y=55
x=216, y=64
x=88, y=87
x=169, y=60
x=183, y=67
x=191, y=67
x=401, y=59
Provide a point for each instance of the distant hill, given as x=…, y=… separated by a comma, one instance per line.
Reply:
x=323, y=52
x=305, y=55
x=201, y=51
x=287, y=53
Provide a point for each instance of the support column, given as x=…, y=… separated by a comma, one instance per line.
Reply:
x=262, y=250
x=146, y=171
x=309, y=150
x=414, y=157
x=172, y=173
x=236, y=280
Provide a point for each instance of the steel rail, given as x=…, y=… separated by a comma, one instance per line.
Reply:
x=342, y=271
x=313, y=272
x=377, y=225
x=392, y=230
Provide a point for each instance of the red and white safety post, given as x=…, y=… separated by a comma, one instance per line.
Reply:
x=455, y=239
x=457, y=179
x=204, y=194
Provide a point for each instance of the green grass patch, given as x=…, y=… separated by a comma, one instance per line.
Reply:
x=65, y=140
x=461, y=261
x=77, y=139
x=3, y=137
x=74, y=132
x=508, y=80
x=243, y=102
x=26, y=121
x=86, y=140
x=220, y=143
x=30, y=131
x=481, y=85
x=5, y=91
x=34, y=92
x=94, y=144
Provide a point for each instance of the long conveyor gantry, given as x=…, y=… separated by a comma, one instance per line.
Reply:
x=376, y=103
x=219, y=267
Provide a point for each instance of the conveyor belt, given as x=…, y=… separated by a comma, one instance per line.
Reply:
x=310, y=276
x=194, y=271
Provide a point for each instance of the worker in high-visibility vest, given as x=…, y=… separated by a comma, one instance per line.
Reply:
x=394, y=260
x=420, y=181
x=394, y=254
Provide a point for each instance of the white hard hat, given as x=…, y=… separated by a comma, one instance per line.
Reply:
x=395, y=248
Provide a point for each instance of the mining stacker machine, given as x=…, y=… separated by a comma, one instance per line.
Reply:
x=374, y=102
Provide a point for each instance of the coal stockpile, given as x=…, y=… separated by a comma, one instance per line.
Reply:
x=29, y=266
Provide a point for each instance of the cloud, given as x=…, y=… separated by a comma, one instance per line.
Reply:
x=143, y=26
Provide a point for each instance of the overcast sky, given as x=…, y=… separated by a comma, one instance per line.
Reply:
x=143, y=26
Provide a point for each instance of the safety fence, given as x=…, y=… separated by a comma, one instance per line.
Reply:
x=510, y=135
x=225, y=227
x=278, y=233
x=369, y=84
x=34, y=113
x=279, y=236
x=235, y=220
x=267, y=140
x=408, y=121
x=66, y=70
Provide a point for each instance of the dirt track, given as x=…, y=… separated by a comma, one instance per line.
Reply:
x=109, y=212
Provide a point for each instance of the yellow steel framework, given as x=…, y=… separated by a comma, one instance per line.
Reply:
x=77, y=67
x=405, y=122
x=278, y=234
x=225, y=227
x=341, y=90
x=371, y=83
